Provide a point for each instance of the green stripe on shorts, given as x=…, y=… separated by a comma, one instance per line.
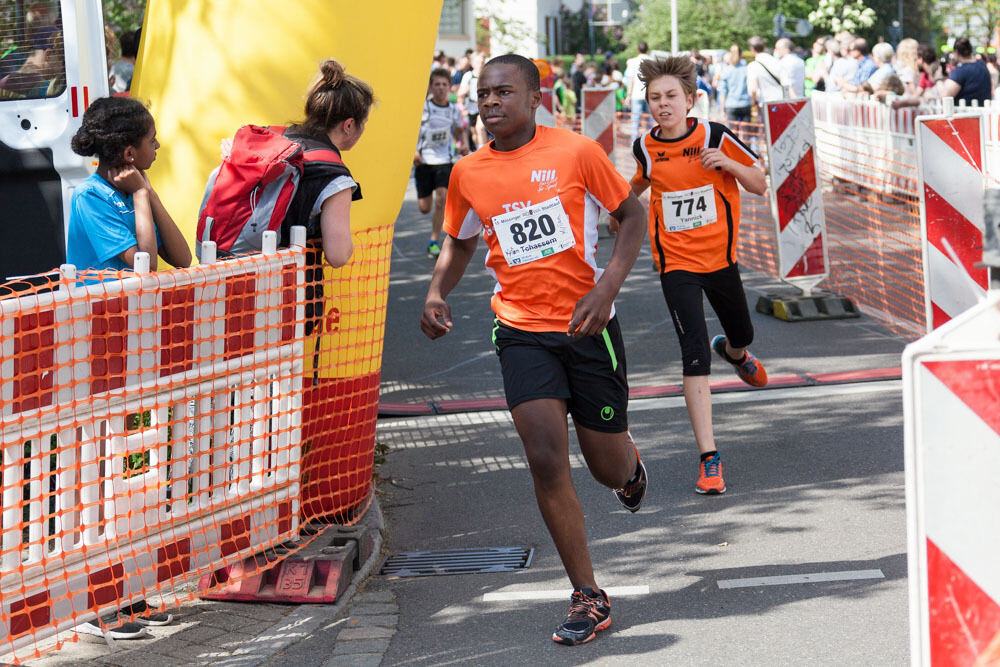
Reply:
x=611, y=350
x=496, y=327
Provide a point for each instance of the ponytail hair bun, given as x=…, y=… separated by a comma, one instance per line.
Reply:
x=83, y=143
x=334, y=97
x=331, y=73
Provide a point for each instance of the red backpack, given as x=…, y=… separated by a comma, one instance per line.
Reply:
x=251, y=191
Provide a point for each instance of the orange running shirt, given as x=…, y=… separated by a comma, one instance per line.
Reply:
x=537, y=208
x=694, y=213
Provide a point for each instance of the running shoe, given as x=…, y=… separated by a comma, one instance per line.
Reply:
x=631, y=495
x=589, y=611
x=433, y=249
x=145, y=614
x=750, y=369
x=710, y=476
x=127, y=630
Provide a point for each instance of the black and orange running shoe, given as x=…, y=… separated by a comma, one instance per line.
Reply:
x=589, y=611
x=631, y=495
x=749, y=369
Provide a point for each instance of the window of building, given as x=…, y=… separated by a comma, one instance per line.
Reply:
x=452, y=17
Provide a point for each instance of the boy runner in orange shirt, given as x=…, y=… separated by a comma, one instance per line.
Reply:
x=695, y=168
x=535, y=193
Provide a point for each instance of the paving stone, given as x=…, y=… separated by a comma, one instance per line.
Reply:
x=257, y=610
x=200, y=634
x=141, y=659
x=187, y=651
x=373, y=596
x=374, y=608
x=228, y=621
x=372, y=632
x=383, y=620
x=360, y=660
x=363, y=646
x=229, y=640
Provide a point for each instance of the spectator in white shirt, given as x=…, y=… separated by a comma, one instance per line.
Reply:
x=793, y=69
x=763, y=75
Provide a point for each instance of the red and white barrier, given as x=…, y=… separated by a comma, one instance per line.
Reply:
x=950, y=158
x=197, y=370
x=796, y=196
x=952, y=433
x=598, y=111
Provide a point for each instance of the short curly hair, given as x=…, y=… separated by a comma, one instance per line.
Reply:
x=110, y=125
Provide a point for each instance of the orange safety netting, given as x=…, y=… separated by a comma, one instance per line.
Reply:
x=160, y=427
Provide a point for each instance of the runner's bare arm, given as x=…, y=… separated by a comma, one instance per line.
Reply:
x=448, y=270
x=593, y=310
x=751, y=177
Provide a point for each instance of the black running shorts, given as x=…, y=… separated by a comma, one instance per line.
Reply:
x=430, y=177
x=588, y=373
x=683, y=291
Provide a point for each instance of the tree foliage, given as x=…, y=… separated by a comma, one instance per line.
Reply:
x=124, y=15
x=838, y=15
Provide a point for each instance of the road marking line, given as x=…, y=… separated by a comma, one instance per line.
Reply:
x=801, y=578
x=612, y=591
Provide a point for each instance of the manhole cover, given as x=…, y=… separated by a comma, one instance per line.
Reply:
x=457, y=561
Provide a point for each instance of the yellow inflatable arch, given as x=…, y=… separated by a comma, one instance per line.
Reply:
x=206, y=67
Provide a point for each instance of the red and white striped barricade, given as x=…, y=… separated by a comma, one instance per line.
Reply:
x=950, y=160
x=951, y=390
x=545, y=115
x=598, y=111
x=197, y=372
x=796, y=196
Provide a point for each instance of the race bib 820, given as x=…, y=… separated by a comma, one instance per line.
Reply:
x=529, y=234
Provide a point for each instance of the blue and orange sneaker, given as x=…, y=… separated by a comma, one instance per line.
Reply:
x=589, y=611
x=749, y=369
x=710, y=476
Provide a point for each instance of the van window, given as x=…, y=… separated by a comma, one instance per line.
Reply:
x=32, y=59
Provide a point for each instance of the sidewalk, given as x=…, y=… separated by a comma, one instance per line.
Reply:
x=353, y=631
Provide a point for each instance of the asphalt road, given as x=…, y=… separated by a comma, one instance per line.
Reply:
x=815, y=478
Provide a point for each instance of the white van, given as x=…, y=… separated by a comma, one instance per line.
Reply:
x=52, y=65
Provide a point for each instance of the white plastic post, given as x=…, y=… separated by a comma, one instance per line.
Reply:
x=141, y=263
x=270, y=244
x=208, y=252
x=299, y=236
x=948, y=104
x=68, y=272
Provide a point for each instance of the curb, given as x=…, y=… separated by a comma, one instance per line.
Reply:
x=302, y=623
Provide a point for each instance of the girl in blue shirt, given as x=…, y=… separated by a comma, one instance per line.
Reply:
x=116, y=213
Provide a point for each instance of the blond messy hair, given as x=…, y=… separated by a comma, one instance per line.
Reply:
x=680, y=67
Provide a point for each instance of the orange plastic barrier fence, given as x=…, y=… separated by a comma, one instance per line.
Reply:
x=157, y=427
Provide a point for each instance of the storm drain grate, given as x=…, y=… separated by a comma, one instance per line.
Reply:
x=457, y=561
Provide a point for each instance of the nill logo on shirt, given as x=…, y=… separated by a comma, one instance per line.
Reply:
x=543, y=175
x=692, y=152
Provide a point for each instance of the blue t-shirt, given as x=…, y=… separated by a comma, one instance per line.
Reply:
x=101, y=226
x=866, y=68
x=974, y=79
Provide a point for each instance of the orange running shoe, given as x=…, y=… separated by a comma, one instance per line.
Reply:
x=710, y=476
x=750, y=369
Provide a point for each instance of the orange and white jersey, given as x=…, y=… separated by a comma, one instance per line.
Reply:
x=694, y=213
x=537, y=208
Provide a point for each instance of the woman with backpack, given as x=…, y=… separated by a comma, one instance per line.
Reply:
x=337, y=107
